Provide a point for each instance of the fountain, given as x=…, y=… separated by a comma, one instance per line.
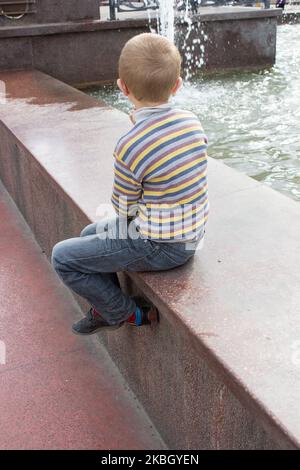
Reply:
x=69, y=40
x=227, y=336
x=166, y=19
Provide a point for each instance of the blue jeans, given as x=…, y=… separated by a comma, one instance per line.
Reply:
x=88, y=265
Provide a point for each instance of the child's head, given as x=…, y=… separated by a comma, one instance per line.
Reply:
x=149, y=69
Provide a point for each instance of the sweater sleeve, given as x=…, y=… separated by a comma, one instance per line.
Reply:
x=127, y=190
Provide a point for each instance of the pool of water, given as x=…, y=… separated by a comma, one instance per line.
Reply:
x=252, y=120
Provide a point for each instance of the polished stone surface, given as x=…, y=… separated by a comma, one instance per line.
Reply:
x=235, y=308
x=57, y=391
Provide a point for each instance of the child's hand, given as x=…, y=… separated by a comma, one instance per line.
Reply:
x=132, y=116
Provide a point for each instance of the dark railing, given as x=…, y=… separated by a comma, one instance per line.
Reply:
x=127, y=6
x=143, y=5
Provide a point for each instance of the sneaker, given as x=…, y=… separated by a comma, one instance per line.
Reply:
x=149, y=313
x=91, y=323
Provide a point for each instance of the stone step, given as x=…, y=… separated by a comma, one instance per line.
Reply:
x=58, y=391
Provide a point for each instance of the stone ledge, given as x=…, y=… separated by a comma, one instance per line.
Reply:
x=228, y=328
x=76, y=51
x=209, y=14
x=49, y=11
x=235, y=13
x=69, y=27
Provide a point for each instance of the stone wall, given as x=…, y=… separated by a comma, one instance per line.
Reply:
x=55, y=11
x=86, y=52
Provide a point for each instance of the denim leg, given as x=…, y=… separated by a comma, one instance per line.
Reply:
x=92, y=229
x=88, y=265
x=77, y=261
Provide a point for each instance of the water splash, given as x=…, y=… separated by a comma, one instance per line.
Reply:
x=175, y=21
x=252, y=119
x=190, y=39
x=166, y=25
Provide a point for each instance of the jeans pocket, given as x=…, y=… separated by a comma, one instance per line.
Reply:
x=159, y=260
x=140, y=264
x=142, y=253
x=177, y=253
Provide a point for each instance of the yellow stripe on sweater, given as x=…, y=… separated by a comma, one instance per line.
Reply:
x=187, y=166
x=164, y=192
x=162, y=140
x=177, y=232
x=127, y=191
x=182, y=216
x=149, y=129
x=120, y=201
x=186, y=200
x=126, y=178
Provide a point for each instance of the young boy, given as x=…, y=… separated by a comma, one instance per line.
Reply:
x=159, y=193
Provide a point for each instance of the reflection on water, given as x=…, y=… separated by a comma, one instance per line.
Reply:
x=252, y=120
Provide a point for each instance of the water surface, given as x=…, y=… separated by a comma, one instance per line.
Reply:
x=252, y=120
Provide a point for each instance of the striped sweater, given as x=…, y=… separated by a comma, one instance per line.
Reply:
x=160, y=175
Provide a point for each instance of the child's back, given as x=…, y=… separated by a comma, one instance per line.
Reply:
x=159, y=182
x=160, y=168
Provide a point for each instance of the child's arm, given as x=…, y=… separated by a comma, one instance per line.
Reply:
x=127, y=191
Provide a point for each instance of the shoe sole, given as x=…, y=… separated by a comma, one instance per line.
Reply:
x=101, y=328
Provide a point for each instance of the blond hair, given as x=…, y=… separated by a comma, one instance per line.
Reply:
x=150, y=65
